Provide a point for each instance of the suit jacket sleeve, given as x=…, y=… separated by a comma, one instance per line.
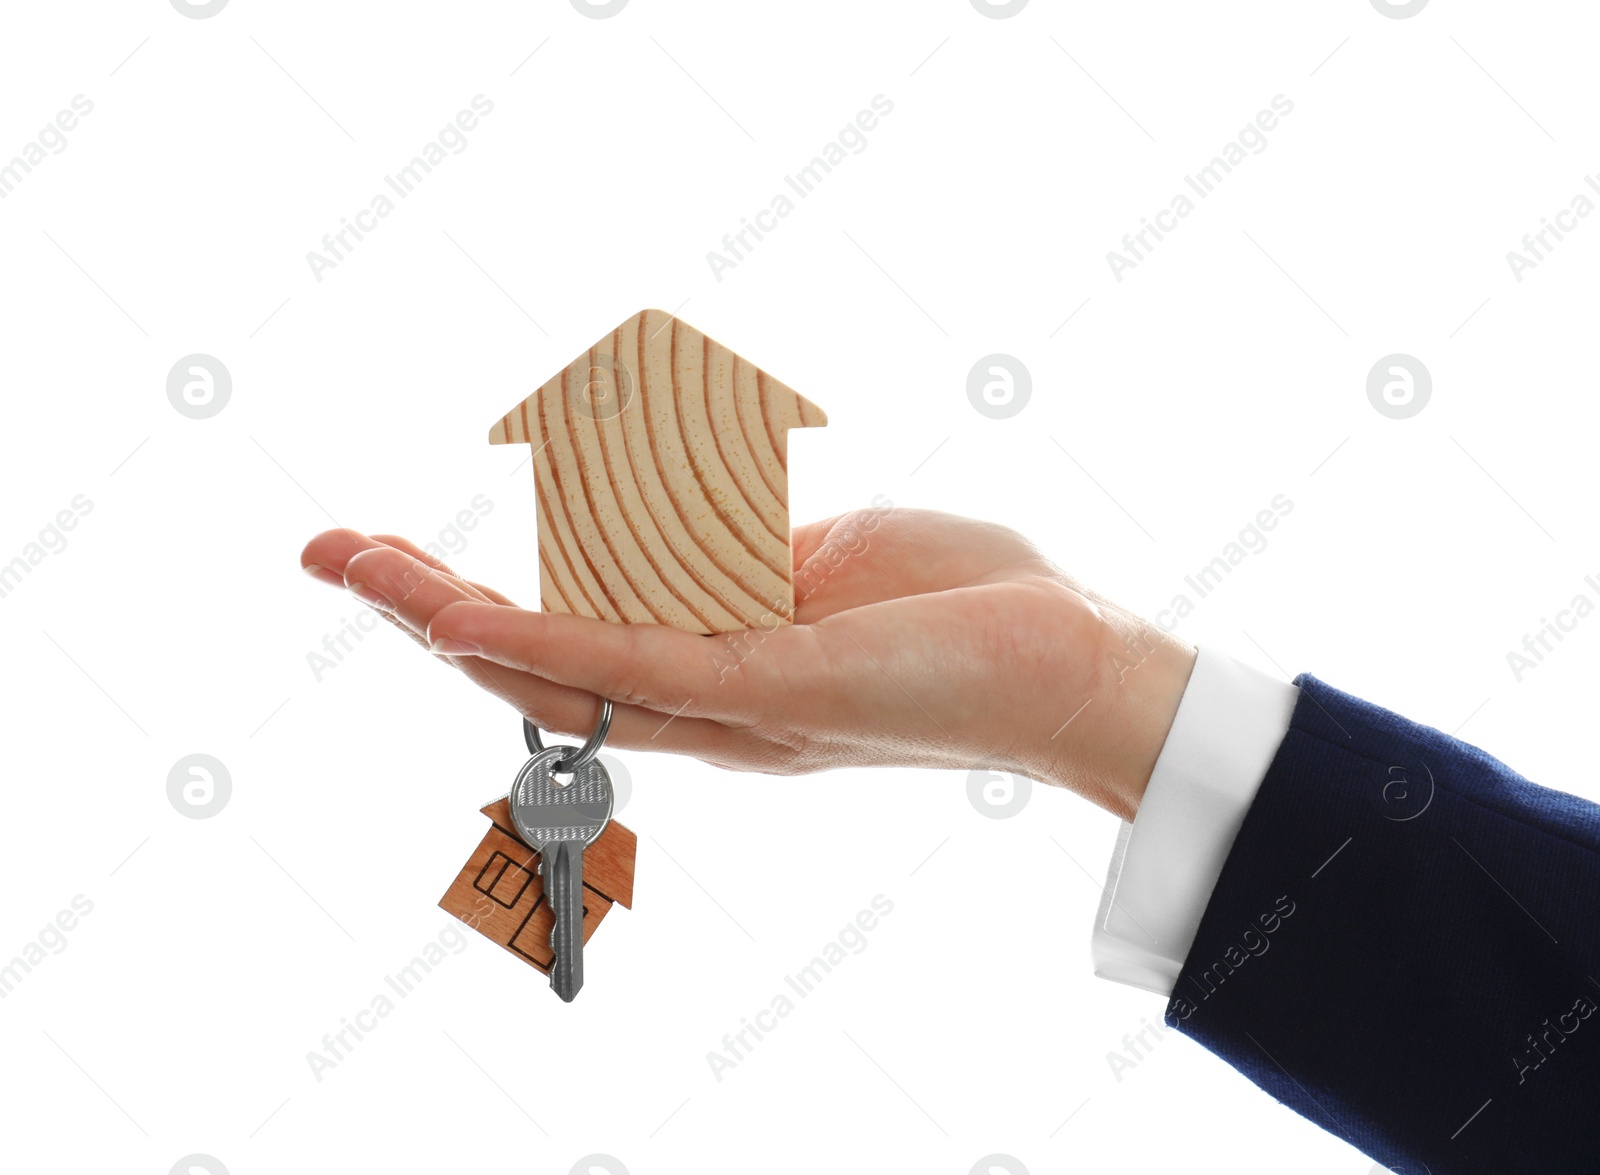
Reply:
x=1404, y=947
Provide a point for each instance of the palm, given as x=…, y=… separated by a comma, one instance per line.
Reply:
x=908, y=635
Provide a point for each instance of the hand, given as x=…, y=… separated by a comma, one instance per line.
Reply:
x=919, y=639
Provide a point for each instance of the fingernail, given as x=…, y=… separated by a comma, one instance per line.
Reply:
x=319, y=572
x=451, y=647
x=367, y=596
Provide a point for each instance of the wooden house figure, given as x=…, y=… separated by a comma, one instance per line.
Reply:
x=500, y=894
x=661, y=464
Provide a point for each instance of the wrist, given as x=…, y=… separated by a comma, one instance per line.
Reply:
x=1137, y=679
x=1154, y=670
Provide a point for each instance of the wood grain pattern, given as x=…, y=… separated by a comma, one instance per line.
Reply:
x=661, y=466
x=499, y=892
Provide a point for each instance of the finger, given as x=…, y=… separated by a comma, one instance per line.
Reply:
x=409, y=592
x=324, y=557
x=649, y=665
x=557, y=709
x=853, y=559
x=493, y=596
x=392, y=581
x=563, y=712
x=401, y=627
x=401, y=543
x=805, y=538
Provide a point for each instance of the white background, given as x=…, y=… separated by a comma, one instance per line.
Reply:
x=1227, y=368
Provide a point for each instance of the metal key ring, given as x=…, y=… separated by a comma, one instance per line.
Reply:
x=586, y=753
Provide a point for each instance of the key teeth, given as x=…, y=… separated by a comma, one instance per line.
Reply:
x=560, y=967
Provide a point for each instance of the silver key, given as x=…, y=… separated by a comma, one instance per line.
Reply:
x=560, y=820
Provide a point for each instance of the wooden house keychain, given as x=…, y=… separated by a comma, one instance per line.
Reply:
x=660, y=460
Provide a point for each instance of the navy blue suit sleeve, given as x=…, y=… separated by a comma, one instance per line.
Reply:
x=1404, y=947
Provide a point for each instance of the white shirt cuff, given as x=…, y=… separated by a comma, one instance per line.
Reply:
x=1166, y=863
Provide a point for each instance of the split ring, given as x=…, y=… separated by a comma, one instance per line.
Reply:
x=586, y=753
